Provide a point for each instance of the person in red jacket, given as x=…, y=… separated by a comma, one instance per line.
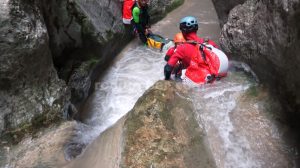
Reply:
x=178, y=39
x=127, y=11
x=189, y=27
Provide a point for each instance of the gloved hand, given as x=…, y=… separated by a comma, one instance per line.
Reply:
x=167, y=71
x=148, y=31
x=210, y=78
x=167, y=57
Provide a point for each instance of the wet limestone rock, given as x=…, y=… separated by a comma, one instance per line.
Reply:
x=30, y=91
x=160, y=131
x=265, y=34
x=159, y=8
x=45, y=149
x=224, y=7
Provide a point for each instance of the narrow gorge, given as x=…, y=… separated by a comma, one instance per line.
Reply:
x=77, y=90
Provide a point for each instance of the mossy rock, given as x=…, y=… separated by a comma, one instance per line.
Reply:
x=161, y=131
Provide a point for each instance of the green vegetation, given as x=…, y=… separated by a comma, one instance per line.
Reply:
x=109, y=35
x=13, y=137
x=88, y=65
x=133, y=122
x=252, y=91
x=167, y=119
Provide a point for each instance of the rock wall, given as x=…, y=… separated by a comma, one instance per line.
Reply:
x=83, y=34
x=159, y=8
x=266, y=35
x=29, y=85
x=224, y=7
x=52, y=52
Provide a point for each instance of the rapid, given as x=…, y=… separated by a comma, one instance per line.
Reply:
x=242, y=137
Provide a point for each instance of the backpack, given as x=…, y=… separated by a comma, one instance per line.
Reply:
x=207, y=65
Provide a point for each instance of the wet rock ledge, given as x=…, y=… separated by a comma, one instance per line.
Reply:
x=161, y=131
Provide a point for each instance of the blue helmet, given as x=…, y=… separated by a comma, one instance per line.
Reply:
x=188, y=24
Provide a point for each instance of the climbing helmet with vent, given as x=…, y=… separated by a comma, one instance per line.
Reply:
x=188, y=24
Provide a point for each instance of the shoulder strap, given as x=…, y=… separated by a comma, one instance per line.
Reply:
x=201, y=49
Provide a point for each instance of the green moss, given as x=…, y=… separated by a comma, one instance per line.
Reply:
x=160, y=157
x=133, y=123
x=13, y=137
x=252, y=91
x=109, y=35
x=167, y=119
x=86, y=66
x=87, y=27
x=196, y=140
x=92, y=62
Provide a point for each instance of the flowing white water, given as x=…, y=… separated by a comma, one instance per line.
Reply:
x=124, y=83
x=140, y=67
x=245, y=139
x=239, y=130
x=116, y=93
x=214, y=106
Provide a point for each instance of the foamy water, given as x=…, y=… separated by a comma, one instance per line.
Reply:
x=238, y=140
x=214, y=106
x=228, y=132
x=136, y=71
x=125, y=82
x=240, y=134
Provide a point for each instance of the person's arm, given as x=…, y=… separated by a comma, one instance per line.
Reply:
x=177, y=55
x=173, y=61
x=169, y=54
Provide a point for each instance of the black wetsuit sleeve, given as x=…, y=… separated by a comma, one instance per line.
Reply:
x=167, y=71
x=167, y=57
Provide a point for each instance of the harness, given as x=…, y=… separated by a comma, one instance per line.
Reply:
x=201, y=47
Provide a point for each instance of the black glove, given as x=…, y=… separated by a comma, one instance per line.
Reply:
x=167, y=57
x=167, y=71
x=210, y=78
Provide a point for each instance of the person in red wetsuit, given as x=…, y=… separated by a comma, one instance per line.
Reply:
x=127, y=11
x=189, y=27
x=178, y=39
